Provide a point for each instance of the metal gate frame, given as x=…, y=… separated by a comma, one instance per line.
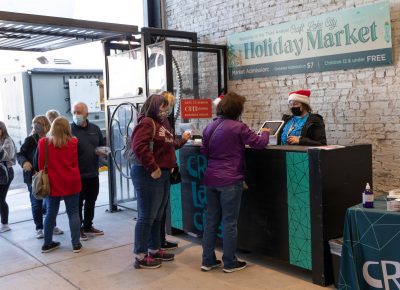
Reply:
x=148, y=36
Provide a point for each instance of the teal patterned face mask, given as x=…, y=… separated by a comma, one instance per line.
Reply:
x=38, y=128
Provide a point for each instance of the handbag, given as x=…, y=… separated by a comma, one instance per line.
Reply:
x=40, y=181
x=175, y=176
x=3, y=173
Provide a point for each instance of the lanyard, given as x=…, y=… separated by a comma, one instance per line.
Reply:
x=291, y=128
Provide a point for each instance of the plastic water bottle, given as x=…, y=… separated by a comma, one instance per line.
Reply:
x=368, y=197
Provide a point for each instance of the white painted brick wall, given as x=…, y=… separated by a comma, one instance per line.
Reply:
x=359, y=106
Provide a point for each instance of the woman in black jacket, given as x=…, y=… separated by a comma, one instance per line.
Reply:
x=26, y=157
x=302, y=127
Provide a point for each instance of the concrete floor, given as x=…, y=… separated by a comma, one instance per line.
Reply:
x=106, y=261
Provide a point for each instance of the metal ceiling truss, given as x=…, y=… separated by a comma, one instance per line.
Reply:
x=28, y=32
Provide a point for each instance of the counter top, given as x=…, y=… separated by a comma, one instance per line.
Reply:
x=295, y=148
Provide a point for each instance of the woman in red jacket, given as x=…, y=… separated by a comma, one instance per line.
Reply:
x=65, y=181
x=153, y=145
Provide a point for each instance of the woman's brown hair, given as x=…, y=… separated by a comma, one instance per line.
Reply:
x=4, y=133
x=306, y=107
x=60, y=132
x=231, y=106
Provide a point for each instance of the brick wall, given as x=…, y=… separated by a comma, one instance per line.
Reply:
x=359, y=106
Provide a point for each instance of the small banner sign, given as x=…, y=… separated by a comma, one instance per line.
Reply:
x=196, y=108
x=350, y=38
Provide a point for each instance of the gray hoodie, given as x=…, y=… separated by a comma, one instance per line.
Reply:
x=8, y=152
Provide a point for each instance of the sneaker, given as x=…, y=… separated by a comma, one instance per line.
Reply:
x=4, y=228
x=93, y=231
x=162, y=255
x=57, y=231
x=240, y=265
x=217, y=264
x=50, y=247
x=39, y=234
x=147, y=263
x=84, y=237
x=169, y=246
x=77, y=248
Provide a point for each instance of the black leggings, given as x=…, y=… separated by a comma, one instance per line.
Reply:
x=3, y=193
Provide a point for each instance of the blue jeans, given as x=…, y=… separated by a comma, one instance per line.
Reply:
x=37, y=209
x=72, y=207
x=223, y=203
x=151, y=200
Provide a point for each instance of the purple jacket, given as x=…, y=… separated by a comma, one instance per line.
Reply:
x=225, y=152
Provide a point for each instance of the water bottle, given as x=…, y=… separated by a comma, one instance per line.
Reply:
x=368, y=197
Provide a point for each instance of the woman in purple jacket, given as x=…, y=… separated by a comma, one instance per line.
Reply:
x=224, y=179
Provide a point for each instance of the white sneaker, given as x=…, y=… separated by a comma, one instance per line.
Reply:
x=57, y=231
x=4, y=228
x=39, y=234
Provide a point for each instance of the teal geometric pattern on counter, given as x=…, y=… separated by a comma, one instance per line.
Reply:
x=176, y=202
x=298, y=188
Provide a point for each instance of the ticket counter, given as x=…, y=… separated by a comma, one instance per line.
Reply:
x=295, y=202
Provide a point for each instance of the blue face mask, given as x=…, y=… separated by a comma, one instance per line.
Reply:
x=79, y=120
x=170, y=109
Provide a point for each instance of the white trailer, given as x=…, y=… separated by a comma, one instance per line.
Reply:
x=26, y=94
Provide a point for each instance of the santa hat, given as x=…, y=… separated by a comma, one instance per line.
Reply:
x=302, y=96
x=217, y=100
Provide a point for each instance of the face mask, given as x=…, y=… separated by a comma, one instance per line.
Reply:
x=170, y=109
x=163, y=114
x=79, y=120
x=38, y=128
x=296, y=111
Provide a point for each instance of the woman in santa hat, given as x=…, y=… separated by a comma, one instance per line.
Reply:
x=302, y=127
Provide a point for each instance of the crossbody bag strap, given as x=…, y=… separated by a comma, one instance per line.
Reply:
x=46, y=155
x=213, y=133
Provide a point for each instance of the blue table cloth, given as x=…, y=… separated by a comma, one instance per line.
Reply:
x=371, y=249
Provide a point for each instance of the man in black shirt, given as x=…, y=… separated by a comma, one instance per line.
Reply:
x=90, y=137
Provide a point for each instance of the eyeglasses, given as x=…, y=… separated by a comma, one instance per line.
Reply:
x=294, y=104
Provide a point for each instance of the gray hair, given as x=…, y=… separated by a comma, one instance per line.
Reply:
x=85, y=107
x=52, y=115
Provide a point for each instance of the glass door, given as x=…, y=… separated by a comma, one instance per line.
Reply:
x=194, y=71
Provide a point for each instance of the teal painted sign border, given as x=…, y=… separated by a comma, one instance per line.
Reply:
x=176, y=202
x=298, y=189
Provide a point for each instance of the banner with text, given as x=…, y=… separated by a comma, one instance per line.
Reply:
x=351, y=38
x=196, y=108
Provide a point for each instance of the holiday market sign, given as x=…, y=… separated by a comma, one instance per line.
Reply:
x=351, y=38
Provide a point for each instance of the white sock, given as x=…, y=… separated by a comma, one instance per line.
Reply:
x=139, y=256
x=153, y=251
